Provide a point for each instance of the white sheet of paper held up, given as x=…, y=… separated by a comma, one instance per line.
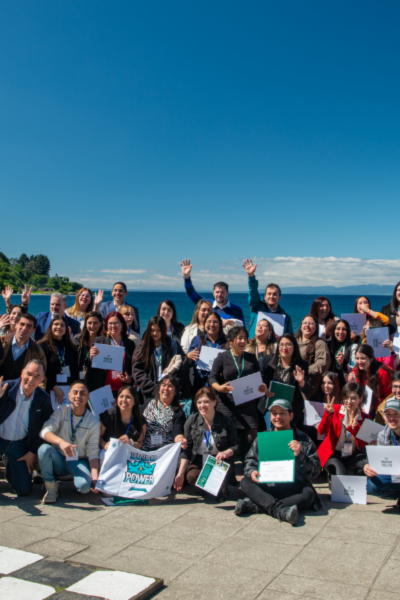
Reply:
x=313, y=412
x=369, y=430
x=207, y=357
x=54, y=403
x=246, y=388
x=276, y=471
x=368, y=396
x=375, y=338
x=277, y=321
x=101, y=400
x=356, y=321
x=110, y=358
x=385, y=460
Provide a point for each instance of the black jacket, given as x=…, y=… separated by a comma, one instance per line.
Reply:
x=268, y=375
x=96, y=378
x=39, y=412
x=307, y=464
x=223, y=431
x=54, y=365
x=341, y=370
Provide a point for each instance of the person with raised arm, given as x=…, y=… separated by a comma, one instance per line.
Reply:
x=221, y=304
x=195, y=328
x=84, y=304
x=72, y=437
x=20, y=349
x=9, y=321
x=119, y=294
x=268, y=304
x=25, y=298
x=24, y=408
x=58, y=306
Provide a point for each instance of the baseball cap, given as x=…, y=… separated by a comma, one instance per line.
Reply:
x=393, y=404
x=285, y=404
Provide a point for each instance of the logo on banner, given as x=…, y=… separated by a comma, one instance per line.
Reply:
x=140, y=471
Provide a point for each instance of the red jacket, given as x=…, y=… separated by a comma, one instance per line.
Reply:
x=384, y=386
x=331, y=426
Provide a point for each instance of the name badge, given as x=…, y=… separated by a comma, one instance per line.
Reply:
x=395, y=478
x=156, y=440
x=65, y=371
x=62, y=378
x=73, y=457
x=81, y=374
x=347, y=449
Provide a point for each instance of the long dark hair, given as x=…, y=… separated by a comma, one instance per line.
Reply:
x=136, y=427
x=174, y=318
x=146, y=350
x=175, y=402
x=221, y=336
x=50, y=339
x=334, y=379
x=373, y=378
x=356, y=302
x=296, y=356
x=316, y=305
x=85, y=337
x=335, y=344
x=310, y=353
x=394, y=303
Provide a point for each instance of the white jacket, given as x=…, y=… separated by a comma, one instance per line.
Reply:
x=191, y=331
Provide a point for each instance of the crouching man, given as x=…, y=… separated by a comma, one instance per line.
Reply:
x=282, y=501
x=72, y=434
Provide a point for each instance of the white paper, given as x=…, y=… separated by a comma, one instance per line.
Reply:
x=396, y=342
x=313, y=412
x=74, y=455
x=349, y=489
x=368, y=396
x=110, y=358
x=61, y=378
x=246, y=388
x=277, y=321
x=375, y=338
x=369, y=430
x=385, y=460
x=207, y=357
x=276, y=471
x=321, y=331
x=356, y=321
x=54, y=403
x=101, y=400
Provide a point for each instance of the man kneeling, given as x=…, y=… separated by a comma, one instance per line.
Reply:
x=73, y=432
x=282, y=500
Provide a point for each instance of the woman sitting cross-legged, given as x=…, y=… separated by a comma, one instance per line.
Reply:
x=208, y=432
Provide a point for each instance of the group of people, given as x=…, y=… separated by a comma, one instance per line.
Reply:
x=166, y=394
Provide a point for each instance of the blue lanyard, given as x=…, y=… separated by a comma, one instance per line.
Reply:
x=209, y=344
x=61, y=356
x=114, y=344
x=76, y=428
x=169, y=332
x=209, y=446
x=393, y=438
x=129, y=426
x=158, y=356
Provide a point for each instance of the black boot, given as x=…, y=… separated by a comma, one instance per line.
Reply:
x=290, y=514
x=246, y=507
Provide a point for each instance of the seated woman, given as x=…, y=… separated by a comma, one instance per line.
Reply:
x=84, y=304
x=227, y=367
x=341, y=452
x=195, y=328
x=164, y=417
x=157, y=355
x=84, y=340
x=208, y=432
x=123, y=422
x=128, y=312
x=116, y=330
x=314, y=351
x=264, y=341
x=213, y=337
x=287, y=367
x=61, y=357
x=167, y=311
x=369, y=372
x=321, y=309
x=340, y=347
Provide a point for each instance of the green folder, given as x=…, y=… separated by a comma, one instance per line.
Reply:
x=282, y=391
x=274, y=445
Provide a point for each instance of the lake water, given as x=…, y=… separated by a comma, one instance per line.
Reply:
x=297, y=305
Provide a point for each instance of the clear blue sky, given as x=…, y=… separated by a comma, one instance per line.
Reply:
x=134, y=134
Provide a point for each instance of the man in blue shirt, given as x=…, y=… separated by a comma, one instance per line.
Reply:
x=221, y=304
x=58, y=305
x=119, y=293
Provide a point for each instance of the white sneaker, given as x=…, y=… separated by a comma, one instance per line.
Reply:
x=51, y=492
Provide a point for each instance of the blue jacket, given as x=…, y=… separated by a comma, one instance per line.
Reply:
x=258, y=304
x=232, y=310
x=39, y=412
x=41, y=325
x=107, y=307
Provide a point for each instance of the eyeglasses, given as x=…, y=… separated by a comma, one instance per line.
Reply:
x=395, y=387
x=282, y=346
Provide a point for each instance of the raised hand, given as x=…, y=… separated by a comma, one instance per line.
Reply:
x=26, y=295
x=352, y=377
x=4, y=321
x=329, y=404
x=98, y=298
x=93, y=352
x=369, y=472
x=299, y=374
x=249, y=267
x=2, y=387
x=353, y=337
x=186, y=267
x=7, y=293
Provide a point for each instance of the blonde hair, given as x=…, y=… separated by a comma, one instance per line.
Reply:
x=123, y=310
x=199, y=304
x=75, y=309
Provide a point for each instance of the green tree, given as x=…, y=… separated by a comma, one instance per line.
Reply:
x=23, y=260
x=42, y=265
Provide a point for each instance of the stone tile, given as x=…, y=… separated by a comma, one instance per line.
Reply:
x=102, y=542
x=64, y=595
x=220, y=512
x=56, y=523
x=7, y=515
x=56, y=548
x=360, y=534
x=263, y=556
x=12, y=560
x=389, y=578
x=274, y=595
x=142, y=518
x=55, y=573
x=316, y=588
x=14, y=535
x=337, y=560
x=188, y=527
x=380, y=595
x=195, y=548
x=368, y=520
x=73, y=513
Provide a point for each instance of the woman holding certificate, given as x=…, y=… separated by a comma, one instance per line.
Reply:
x=116, y=335
x=314, y=351
x=84, y=341
x=229, y=366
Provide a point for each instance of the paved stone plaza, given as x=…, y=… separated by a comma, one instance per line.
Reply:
x=203, y=551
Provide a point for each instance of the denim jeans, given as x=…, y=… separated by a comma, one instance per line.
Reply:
x=53, y=462
x=382, y=486
x=21, y=479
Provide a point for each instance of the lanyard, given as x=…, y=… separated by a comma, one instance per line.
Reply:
x=77, y=427
x=240, y=371
x=340, y=350
x=209, y=446
x=393, y=438
x=158, y=356
x=169, y=332
x=61, y=355
x=114, y=344
x=209, y=343
x=129, y=426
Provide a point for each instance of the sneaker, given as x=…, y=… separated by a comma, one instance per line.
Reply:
x=246, y=507
x=51, y=492
x=36, y=477
x=290, y=514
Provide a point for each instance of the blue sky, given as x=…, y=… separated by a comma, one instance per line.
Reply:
x=133, y=135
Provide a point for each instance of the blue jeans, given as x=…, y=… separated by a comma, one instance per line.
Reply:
x=17, y=472
x=52, y=462
x=382, y=486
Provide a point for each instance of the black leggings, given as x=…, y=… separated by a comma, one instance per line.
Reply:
x=268, y=496
x=343, y=465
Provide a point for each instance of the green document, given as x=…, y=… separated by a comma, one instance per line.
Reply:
x=212, y=475
x=282, y=391
x=276, y=459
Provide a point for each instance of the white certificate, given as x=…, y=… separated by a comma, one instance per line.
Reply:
x=375, y=338
x=101, y=400
x=246, y=388
x=207, y=357
x=349, y=489
x=369, y=430
x=356, y=321
x=313, y=412
x=277, y=321
x=368, y=396
x=110, y=358
x=385, y=460
x=212, y=475
x=396, y=342
x=276, y=471
x=321, y=331
x=65, y=391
